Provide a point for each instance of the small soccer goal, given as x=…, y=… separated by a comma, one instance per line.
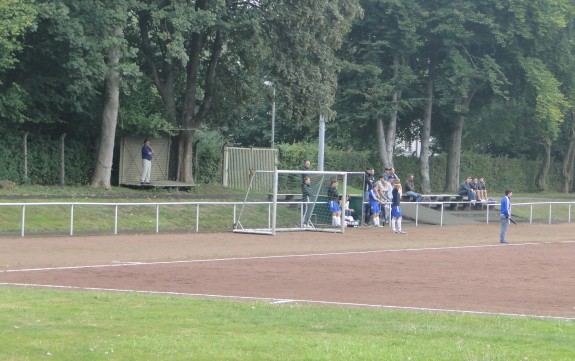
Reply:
x=288, y=200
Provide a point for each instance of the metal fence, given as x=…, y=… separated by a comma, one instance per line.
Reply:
x=70, y=218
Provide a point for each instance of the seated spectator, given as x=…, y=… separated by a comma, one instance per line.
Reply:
x=348, y=217
x=482, y=188
x=474, y=184
x=410, y=189
x=465, y=190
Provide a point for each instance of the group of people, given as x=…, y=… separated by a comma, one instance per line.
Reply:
x=474, y=189
x=384, y=195
x=382, y=199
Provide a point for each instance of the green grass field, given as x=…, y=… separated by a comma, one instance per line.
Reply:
x=75, y=326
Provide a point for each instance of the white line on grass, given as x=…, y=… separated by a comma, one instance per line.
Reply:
x=282, y=301
x=127, y=263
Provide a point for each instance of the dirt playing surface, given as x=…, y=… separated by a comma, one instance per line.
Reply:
x=453, y=268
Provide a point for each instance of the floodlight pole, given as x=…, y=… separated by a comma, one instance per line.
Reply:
x=273, y=86
x=320, y=148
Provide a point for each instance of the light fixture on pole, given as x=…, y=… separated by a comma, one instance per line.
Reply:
x=273, y=86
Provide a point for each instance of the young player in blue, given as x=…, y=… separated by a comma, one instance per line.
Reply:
x=396, y=215
x=504, y=214
x=333, y=203
x=374, y=205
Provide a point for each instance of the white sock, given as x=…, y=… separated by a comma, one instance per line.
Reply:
x=393, y=224
x=376, y=221
x=333, y=220
x=399, y=224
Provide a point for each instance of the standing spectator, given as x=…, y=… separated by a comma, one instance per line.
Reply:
x=465, y=190
x=306, y=198
x=147, y=156
x=387, y=174
x=392, y=174
x=380, y=181
x=410, y=189
x=396, y=215
x=387, y=194
x=306, y=168
x=382, y=191
x=333, y=203
x=505, y=214
x=368, y=181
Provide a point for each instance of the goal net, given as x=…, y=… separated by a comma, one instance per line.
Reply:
x=287, y=200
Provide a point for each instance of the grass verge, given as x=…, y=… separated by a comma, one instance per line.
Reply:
x=40, y=324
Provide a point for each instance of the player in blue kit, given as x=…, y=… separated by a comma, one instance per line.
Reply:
x=396, y=215
x=374, y=204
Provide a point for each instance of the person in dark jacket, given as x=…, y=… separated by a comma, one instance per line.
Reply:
x=465, y=190
x=409, y=189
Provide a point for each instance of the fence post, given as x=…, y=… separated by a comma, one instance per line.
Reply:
x=25, y=145
x=72, y=220
x=62, y=161
x=23, y=220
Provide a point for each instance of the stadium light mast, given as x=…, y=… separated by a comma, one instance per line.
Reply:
x=273, y=86
x=321, y=143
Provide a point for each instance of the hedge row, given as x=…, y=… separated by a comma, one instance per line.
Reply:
x=44, y=164
x=500, y=173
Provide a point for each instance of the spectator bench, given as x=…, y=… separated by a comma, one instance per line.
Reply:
x=444, y=198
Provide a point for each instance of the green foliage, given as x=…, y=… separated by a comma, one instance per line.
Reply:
x=16, y=17
x=304, y=66
x=550, y=102
x=11, y=164
x=293, y=156
x=208, y=166
x=44, y=160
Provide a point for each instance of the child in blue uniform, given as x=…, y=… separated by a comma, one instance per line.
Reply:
x=333, y=203
x=396, y=215
x=375, y=205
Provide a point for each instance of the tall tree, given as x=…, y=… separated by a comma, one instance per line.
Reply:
x=16, y=18
x=377, y=70
x=192, y=49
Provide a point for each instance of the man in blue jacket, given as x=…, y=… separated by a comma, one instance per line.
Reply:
x=505, y=214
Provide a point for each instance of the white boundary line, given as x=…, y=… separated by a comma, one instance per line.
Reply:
x=127, y=263
x=282, y=301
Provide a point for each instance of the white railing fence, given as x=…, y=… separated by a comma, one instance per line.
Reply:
x=68, y=217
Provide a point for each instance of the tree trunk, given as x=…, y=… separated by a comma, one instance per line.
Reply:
x=386, y=140
x=392, y=128
x=454, y=157
x=542, y=176
x=103, y=168
x=185, y=156
x=567, y=165
x=382, y=146
x=191, y=119
x=425, y=137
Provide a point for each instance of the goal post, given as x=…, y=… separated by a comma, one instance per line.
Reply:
x=281, y=201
